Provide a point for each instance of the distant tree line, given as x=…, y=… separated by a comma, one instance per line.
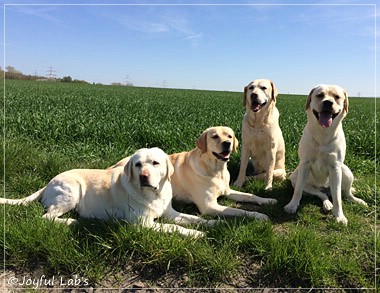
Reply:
x=122, y=84
x=12, y=73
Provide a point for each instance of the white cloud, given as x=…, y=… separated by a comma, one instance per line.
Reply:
x=177, y=25
x=144, y=27
x=194, y=39
x=194, y=36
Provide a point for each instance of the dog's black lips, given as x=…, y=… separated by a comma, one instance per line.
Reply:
x=222, y=156
x=146, y=185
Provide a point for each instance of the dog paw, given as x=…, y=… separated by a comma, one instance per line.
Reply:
x=290, y=208
x=268, y=187
x=362, y=202
x=342, y=219
x=327, y=205
x=270, y=201
x=211, y=223
x=238, y=183
x=71, y=222
x=194, y=233
x=261, y=217
x=354, y=199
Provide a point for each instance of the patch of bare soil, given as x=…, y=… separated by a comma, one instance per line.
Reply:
x=144, y=281
x=130, y=280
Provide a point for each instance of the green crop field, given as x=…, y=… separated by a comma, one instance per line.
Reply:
x=53, y=127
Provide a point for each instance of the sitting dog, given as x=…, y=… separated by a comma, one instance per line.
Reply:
x=322, y=151
x=138, y=192
x=262, y=139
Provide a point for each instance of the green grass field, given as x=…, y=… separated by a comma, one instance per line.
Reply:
x=53, y=127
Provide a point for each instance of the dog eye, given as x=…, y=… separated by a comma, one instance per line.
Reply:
x=138, y=165
x=251, y=87
x=155, y=163
x=263, y=88
x=336, y=97
x=215, y=136
x=321, y=95
x=229, y=136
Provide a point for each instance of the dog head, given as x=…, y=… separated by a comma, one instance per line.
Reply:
x=258, y=94
x=219, y=142
x=149, y=168
x=327, y=103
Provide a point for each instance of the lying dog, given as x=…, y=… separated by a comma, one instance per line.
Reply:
x=262, y=138
x=322, y=151
x=138, y=192
x=201, y=175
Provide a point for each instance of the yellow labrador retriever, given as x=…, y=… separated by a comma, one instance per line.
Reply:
x=322, y=151
x=138, y=192
x=201, y=175
x=262, y=139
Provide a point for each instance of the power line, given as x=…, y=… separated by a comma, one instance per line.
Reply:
x=51, y=73
x=128, y=81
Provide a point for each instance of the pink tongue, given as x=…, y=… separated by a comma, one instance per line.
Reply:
x=255, y=107
x=325, y=119
x=225, y=155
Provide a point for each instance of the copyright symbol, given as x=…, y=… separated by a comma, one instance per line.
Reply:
x=12, y=281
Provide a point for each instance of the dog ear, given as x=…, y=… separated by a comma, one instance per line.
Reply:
x=169, y=169
x=128, y=170
x=308, y=101
x=274, y=91
x=202, y=141
x=245, y=96
x=235, y=145
x=345, y=106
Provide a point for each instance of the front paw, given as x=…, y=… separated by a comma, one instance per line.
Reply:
x=239, y=182
x=327, y=205
x=261, y=217
x=360, y=201
x=270, y=201
x=211, y=223
x=196, y=234
x=342, y=219
x=291, y=208
x=71, y=222
x=269, y=187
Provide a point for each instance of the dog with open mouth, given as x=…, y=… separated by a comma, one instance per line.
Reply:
x=201, y=176
x=262, y=141
x=322, y=151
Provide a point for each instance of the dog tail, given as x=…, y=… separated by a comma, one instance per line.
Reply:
x=23, y=201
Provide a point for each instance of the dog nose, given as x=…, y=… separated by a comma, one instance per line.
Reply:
x=226, y=144
x=144, y=180
x=144, y=174
x=327, y=104
x=254, y=96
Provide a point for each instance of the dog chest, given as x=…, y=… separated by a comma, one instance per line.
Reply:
x=322, y=163
x=319, y=174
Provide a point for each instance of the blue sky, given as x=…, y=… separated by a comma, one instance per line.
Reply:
x=215, y=47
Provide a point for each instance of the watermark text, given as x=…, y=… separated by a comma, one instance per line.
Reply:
x=44, y=281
